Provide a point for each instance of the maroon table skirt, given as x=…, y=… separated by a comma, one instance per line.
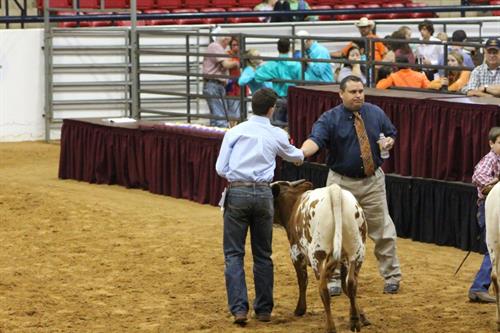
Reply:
x=439, y=136
x=179, y=162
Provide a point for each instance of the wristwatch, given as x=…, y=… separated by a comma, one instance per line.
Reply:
x=485, y=88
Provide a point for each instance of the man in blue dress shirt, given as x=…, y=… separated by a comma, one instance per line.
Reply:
x=336, y=131
x=247, y=159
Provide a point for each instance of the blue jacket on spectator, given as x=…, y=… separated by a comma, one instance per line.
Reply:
x=281, y=70
x=247, y=77
x=319, y=71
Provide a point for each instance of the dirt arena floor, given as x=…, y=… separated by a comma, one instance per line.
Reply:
x=77, y=257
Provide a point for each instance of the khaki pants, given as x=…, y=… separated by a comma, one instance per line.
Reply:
x=370, y=193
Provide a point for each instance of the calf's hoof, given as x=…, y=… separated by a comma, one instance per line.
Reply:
x=364, y=320
x=498, y=327
x=299, y=312
x=355, y=324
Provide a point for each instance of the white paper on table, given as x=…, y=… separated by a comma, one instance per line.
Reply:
x=121, y=120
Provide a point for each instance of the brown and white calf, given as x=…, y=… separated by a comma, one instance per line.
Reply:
x=492, y=215
x=326, y=228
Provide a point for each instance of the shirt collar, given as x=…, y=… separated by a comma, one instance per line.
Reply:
x=260, y=120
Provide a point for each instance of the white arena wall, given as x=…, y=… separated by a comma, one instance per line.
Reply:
x=21, y=85
x=22, y=66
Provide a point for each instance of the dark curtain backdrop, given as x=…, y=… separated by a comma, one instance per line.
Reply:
x=178, y=162
x=437, y=139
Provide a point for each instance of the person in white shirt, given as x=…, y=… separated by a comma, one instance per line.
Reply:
x=428, y=54
x=247, y=159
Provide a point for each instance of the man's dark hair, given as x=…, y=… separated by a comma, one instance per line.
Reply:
x=263, y=100
x=427, y=25
x=352, y=78
x=283, y=45
x=494, y=134
x=458, y=36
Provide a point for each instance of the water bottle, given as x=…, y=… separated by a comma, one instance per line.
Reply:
x=384, y=153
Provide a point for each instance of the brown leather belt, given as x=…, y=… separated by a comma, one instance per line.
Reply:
x=249, y=184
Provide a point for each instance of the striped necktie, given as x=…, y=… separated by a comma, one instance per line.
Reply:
x=364, y=144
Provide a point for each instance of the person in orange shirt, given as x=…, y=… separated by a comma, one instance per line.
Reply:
x=365, y=27
x=456, y=79
x=405, y=77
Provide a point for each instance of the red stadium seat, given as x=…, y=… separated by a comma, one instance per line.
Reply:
x=213, y=20
x=116, y=4
x=128, y=24
x=89, y=4
x=169, y=4
x=419, y=15
x=372, y=16
x=323, y=17
x=242, y=19
x=495, y=12
x=145, y=4
x=67, y=24
x=394, y=15
x=330, y=3
x=158, y=21
x=345, y=17
x=197, y=4
x=224, y=3
x=251, y=3
x=97, y=23
x=187, y=20
x=54, y=4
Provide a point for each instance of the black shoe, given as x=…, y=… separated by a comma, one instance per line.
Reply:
x=391, y=288
x=481, y=297
x=240, y=318
x=265, y=317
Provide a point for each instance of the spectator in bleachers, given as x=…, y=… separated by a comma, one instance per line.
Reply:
x=406, y=30
x=232, y=87
x=301, y=5
x=486, y=74
x=405, y=77
x=456, y=79
x=428, y=54
x=399, y=48
x=352, y=69
x=265, y=5
x=280, y=70
x=247, y=77
x=316, y=71
x=215, y=87
x=460, y=36
x=365, y=27
x=291, y=5
x=282, y=6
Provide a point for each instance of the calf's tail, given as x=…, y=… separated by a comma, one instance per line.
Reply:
x=336, y=201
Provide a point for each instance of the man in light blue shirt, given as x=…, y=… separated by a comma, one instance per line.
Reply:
x=247, y=159
x=316, y=71
x=280, y=70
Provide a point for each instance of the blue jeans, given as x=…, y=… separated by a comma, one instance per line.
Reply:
x=216, y=104
x=482, y=280
x=249, y=207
